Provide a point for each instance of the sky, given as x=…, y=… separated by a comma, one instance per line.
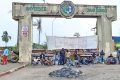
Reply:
x=60, y=26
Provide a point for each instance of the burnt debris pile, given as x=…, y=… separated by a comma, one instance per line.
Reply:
x=65, y=72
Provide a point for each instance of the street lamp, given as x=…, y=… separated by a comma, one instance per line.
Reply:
x=94, y=29
x=52, y=25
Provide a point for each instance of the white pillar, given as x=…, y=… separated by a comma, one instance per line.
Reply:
x=25, y=39
x=104, y=30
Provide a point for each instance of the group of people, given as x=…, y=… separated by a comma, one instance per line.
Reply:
x=74, y=58
x=66, y=57
x=110, y=59
x=41, y=59
x=60, y=58
x=8, y=56
x=70, y=58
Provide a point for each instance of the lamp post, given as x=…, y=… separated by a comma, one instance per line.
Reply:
x=52, y=25
x=94, y=29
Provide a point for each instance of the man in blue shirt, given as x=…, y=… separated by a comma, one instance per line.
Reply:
x=62, y=56
x=5, y=56
x=102, y=56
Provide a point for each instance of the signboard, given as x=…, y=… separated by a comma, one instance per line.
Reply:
x=25, y=31
x=67, y=9
x=89, y=42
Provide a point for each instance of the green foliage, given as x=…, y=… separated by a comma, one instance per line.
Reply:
x=76, y=34
x=14, y=48
x=5, y=37
x=39, y=46
x=44, y=45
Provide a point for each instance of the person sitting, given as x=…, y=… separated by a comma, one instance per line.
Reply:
x=97, y=59
x=48, y=62
x=85, y=61
x=35, y=61
x=69, y=63
x=111, y=60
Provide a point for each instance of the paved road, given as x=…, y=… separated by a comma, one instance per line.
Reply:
x=90, y=72
x=4, y=68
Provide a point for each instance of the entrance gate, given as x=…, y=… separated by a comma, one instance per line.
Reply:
x=23, y=13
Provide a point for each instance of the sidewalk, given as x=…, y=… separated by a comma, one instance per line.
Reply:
x=11, y=67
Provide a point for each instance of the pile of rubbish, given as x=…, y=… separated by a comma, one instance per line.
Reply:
x=65, y=72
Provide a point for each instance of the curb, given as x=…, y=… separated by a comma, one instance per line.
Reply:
x=13, y=70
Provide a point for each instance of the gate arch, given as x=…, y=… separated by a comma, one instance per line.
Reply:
x=23, y=13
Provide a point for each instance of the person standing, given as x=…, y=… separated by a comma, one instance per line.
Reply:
x=62, y=56
x=5, y=56
x=102, y=56
x=118, y=55
x=67, y=54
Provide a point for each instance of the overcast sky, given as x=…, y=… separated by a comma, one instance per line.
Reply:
x=61, y=27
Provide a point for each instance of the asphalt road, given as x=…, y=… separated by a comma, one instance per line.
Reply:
x=90, y=72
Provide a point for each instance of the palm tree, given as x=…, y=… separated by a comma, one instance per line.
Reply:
x=39, y=27
x=5, y=37
x=76, y=34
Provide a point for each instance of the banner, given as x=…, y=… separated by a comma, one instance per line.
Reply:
x=87, y=42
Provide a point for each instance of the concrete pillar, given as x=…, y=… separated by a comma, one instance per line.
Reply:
x=99, y=33
x=25, y=39
x=104, y=30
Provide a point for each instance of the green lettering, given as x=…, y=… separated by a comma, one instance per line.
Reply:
x=31, y=8
x=36, y=8
x=45, y=9
x=91, y=10
x=97, y=10
x=28, y=8
x=101, y=10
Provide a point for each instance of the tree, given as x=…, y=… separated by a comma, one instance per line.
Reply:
x=44, y=45
x=39, y=46
x=39, y=28
x=5, y=37
x=76, y=34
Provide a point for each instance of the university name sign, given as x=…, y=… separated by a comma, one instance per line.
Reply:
x=66, y=9
x=97, y=10
x=35, y=8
